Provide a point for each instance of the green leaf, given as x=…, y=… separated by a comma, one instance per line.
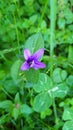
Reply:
x=70, y=53
x=34, y=42
x=10, y=86
x=33, y=18
x=71, y=2
x=68, y=125
x=44, y=83
x=69, y=80
x=17, y=98
x=61, y=23
x=60, y=90
x=68, y=15
x=68, y=114
x=4, y=119
x=48, y=112
x=63, y=75
x=7, y=105
x=15, y=113
x=56, y=75
x=2, y=74
x=25, y=109
x=42, y=102
x=32, y=75
x=15, y=70
x=28, y=2
x=59, y=75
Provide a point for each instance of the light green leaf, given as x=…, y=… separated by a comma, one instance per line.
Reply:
x=59, y=75
x=70, y=53
x=68, y=15
x=44, y=83
x=42, y=102
x=56, y=75
x=15, y=70
x=68, y=114
x=61, y=23
x=33, y=18
x=60, y=90
x=68, y=125
x=17, y=98
x=34, y=42
x=48, y=112
x=25, y=109
x=63, y=75
x=15, y=113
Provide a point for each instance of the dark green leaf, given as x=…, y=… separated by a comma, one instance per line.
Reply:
x=32, y=75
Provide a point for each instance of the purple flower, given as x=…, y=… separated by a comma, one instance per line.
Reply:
x=32, y=61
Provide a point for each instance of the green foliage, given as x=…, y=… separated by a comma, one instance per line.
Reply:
x=70, y=54
x=36, y=99
x=34, y=76
x=59, y=75
x=35, y=42
x=4, y=119
x=15, y=113
x=68, y=125
x=15, y=70
x=48, y=112
x=44, y=83
x=68, y=114
x=25, y=109
x=70, y=80
x=7, y=105
x=40, y=102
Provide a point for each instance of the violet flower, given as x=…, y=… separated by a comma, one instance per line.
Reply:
x=32, y=61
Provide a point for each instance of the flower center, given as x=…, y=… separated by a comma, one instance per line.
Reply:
x=31, y=63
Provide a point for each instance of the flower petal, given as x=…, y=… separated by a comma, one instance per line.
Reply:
x=38, y=65
x=27, y=53
x=37, y=55
x=25, y=66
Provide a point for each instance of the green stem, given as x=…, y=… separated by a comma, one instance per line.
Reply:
x=7, y=93
x=16, y=32
x=52, y=41
x=16, y=29
x=43, y=12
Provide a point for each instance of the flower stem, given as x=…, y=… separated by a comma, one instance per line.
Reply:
x=53, y=4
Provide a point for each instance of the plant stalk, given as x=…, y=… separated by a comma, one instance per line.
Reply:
x=53, y=4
